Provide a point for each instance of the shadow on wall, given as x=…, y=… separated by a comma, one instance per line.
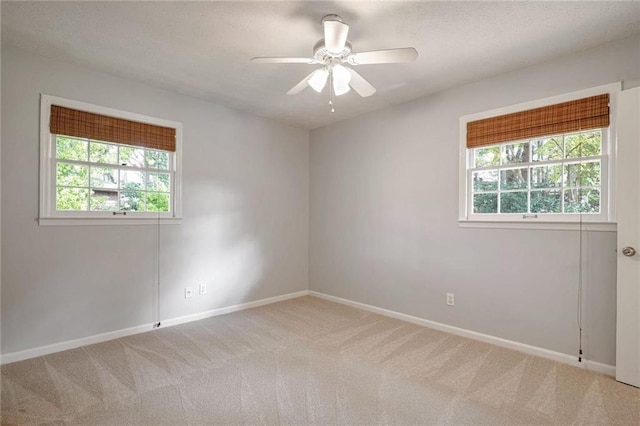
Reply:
x=217, y=244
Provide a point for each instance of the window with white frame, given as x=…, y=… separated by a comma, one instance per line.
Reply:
x=108, y=165
x=551, y=163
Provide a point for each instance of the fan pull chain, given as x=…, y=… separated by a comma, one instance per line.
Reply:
x=331, y=91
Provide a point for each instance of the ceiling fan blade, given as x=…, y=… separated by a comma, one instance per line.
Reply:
x=261, y=60
x=360, y=85
x=389, y=56
x=335, y=36
x=300, y=86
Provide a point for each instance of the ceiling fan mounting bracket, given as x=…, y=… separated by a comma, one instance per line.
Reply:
x=331, y=17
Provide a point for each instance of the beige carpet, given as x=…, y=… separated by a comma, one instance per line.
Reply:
x=306, y=361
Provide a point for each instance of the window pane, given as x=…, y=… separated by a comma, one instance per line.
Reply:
x=515, y=153
x=582, y=174
x=103, y=153
x=485, y=203
x=484, y=157
x=583, y=144
x=485, y=181
x=514, y=179
x=157, y=159
x=103, y=200
x=104, y=177
x=72, y=198
x=157, y=202
x=582, y=200
x=71, y=149
x=546, y=176
x=132, y=200
x=130, y=156
x=513, y=202
x=158, y=182
x=72, y=175
x=131, y=179
x=547, y=149
x=546, y=201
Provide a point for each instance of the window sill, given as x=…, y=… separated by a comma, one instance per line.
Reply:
x=82, y=221
x=549, y=226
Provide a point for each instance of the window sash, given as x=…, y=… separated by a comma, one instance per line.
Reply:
x=119, y=167
x=551, y=217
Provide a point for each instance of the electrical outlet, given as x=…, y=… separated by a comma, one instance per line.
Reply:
x=450, y=299
x=188, y=293
x=203, y=289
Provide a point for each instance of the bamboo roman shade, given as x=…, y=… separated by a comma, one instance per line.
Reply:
x=581, y=114
x=72, y=122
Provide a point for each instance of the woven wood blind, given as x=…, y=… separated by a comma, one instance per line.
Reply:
x=581, y=114
x=71, y=122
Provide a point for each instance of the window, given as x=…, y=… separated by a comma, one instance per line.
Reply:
x=105, y=166
x=547, y=164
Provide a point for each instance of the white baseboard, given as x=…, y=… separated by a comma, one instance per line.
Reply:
x=72, y=344
x=103, y=337
x=234, y=308
x=599, y=367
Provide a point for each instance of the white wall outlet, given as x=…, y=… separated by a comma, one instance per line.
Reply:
x=203, y=289
x=450, y=299
x=188, y=292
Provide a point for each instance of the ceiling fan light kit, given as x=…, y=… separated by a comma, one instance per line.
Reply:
x=319, y=79
x=333, y=52
x=341, y=79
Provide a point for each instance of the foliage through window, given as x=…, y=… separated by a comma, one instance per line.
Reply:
x=101, y=176
x=559, y=174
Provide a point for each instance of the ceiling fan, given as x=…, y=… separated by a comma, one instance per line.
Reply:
x=334, y=55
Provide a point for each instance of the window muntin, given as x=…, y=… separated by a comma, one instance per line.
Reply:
x=97, y=176
x=555, y=176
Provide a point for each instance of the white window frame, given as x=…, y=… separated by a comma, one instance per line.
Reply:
x=48, y=215
x=605, y=221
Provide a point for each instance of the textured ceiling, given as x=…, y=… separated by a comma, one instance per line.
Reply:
x=203, y=48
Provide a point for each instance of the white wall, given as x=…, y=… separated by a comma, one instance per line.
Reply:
x=384, y=208
x=245, y=209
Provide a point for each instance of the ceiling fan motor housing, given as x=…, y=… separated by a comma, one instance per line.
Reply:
x=321, y=53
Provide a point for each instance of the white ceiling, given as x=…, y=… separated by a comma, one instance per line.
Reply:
x=203, y=48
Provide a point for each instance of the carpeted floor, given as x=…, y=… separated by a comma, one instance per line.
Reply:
x=306, y=361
